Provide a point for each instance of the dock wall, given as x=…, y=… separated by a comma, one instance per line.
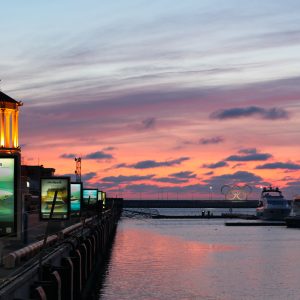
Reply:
x=61, y=270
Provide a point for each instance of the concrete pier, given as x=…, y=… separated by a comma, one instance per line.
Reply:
x=190, y=204
x=259, y=223
x=62, y=269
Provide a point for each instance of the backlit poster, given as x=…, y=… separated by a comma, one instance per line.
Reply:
x=62, y=205
x=90, y=197
x=76, y=198
x=7, y=196
x=99, y=196
x=104, y=199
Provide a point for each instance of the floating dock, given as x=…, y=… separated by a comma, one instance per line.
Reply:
x=206, y=216
x=171, y=203
x=262, y=223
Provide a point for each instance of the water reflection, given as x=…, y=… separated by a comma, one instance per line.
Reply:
x=198, y=260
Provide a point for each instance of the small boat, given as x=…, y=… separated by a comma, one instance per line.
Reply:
x=272, y=205
x=294, y=220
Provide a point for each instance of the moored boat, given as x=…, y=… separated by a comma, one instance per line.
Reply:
x=272, y=205
x=294, y=220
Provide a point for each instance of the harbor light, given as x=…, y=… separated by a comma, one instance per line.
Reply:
x=10, y=169
x=9, y=122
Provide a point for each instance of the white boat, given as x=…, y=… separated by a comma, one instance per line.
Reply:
x=296, y=206
x=294, y=219
x=272, y=205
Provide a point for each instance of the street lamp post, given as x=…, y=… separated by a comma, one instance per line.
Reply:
x=210, y=192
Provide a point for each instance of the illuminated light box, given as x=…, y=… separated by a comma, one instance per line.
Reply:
x=100, y=200
x=7, y=195
x=104, y=199
x=76, y=198
x=90, y=197
x=99, y=195
x=62, y=205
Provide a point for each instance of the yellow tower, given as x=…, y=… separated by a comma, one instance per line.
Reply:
x=9, y=123
x=11, y=218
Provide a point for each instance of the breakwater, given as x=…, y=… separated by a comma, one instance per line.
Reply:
x=61, y=266
x=190, y=204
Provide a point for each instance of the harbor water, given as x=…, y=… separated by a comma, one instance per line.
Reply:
x=201, y=259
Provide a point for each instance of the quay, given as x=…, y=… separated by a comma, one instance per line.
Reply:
x=62, y=266
x=54, y=233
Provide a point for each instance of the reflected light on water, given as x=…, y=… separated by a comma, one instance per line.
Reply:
x=149, y=266
x=202, y=259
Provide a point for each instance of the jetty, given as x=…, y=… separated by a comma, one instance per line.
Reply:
x=190, y=203
x=62, y=265
x=259, y=223
x=54, y=233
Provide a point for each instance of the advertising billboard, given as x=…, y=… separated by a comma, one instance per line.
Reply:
x=99, y=196
x=62, y=206
x=104, y=199
x=90, y=197
x=76, y=198
x=7, y=195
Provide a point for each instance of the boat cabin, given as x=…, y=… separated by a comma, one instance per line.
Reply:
x=296, y=205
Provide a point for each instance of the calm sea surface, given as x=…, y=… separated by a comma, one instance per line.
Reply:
x=201, y=259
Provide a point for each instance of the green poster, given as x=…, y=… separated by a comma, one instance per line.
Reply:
x=90, y=197
x=76, y=195
x=7, y=195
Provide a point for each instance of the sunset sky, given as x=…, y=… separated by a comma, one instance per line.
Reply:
x=158, y=97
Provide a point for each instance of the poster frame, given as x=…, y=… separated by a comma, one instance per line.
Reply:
x=104, y=199
x=90, y=206
x=99, y=192
x=72, y=214
x=15, y=210
x=68, y=206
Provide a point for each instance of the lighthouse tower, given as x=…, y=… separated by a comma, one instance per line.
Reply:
x=9, y=118
x=10, y=169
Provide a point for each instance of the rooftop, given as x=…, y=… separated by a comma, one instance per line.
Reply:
x=6, y=99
